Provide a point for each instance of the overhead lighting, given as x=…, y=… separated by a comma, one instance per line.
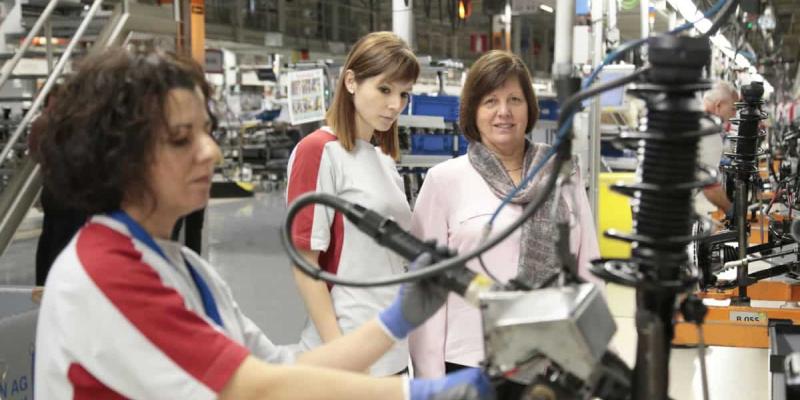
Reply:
x=546, y=8
x=691, y=14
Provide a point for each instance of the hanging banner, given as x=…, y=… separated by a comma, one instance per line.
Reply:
x=306, y=96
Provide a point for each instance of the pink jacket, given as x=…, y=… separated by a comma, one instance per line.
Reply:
x=453, y=206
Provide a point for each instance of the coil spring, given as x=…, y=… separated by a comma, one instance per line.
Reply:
x=744, y=158
x=727, y=254
x=667, y=172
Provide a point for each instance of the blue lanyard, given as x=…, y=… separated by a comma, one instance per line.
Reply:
x=140, y=234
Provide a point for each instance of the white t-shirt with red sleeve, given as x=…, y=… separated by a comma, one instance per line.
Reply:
x=120, y=321
x=367, y=176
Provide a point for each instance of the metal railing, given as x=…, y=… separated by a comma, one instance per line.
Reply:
x=54, y=75
x=326, y=21
x=23, y=188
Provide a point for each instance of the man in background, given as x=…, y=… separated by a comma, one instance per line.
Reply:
x=719, y=103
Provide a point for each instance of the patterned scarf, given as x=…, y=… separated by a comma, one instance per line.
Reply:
x=538, y=259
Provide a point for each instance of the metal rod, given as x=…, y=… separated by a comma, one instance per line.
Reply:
x=121, y=22
x=745, y=261
x=565, y=17
x=741, y=226
x=16, y=199
x=51, y=80
x=701, y=354
x=48, y=33
x=594, y=138
x=9, y=66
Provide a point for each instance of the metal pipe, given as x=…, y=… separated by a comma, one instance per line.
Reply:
x=9, y=66
x=672, y=23
x=16, y=198
x=403, y=20
x=48, y=34
x=612, y=30
x=745, y=261
x=121, y=22
x=176, y=10
x=612, y=14
x=565, y=15
x=644, y=8
x=594, y=116
x=741, y=226
x=51, y=80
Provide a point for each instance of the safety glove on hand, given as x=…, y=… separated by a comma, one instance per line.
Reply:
x=414, y=304
x=466, y=384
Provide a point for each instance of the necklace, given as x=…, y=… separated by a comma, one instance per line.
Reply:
x=513, y=169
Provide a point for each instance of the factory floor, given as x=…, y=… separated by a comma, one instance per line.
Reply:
x=243, y=243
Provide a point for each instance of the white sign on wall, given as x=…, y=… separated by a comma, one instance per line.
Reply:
x=306, y=96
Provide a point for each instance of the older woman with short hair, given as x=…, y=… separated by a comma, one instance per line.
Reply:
x=459, y=196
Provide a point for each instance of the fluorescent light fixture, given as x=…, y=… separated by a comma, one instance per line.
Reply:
x=546, y=8
x=690, y=13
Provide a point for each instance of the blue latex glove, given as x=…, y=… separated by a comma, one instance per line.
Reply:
x=729, y=214
x=414, y=304
x=466, y=384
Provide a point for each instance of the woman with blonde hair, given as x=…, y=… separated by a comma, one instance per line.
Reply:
x=353, y=157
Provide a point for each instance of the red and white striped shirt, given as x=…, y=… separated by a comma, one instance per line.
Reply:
x=368, y=177
x=120, y=321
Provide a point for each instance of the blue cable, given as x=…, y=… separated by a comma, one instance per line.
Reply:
x=562, y=132
x=708, y=14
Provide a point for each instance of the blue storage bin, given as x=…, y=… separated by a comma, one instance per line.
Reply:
x=442, y=106
x=426, y=144
x=548, y=109
x=463, y=142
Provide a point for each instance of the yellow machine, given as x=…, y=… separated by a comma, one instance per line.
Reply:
x=725, y=325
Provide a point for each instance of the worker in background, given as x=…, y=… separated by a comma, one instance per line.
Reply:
x=719, y=103
x=59, y=221
x=354, y=158
x=128, y=313
x=459, y=197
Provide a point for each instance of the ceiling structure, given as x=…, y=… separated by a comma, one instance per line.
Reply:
x=786, y=39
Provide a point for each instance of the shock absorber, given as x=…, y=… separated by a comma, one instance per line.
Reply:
x=663, y=202
x=744, y=163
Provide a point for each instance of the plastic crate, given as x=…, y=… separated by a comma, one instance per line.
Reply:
x=268, y=115
x=427, y=144
x=442, y=106
x=548, y=109
x=462, y=145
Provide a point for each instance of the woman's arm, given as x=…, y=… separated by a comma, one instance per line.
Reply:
x=414, y=304
x=257, y=380
x=356, y=351
x=317, y=299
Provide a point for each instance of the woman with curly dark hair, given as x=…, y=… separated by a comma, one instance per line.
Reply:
x=59, y=221
x=127, y=313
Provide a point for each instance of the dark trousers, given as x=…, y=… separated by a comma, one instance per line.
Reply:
x=193, y=235
x=59, y=225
